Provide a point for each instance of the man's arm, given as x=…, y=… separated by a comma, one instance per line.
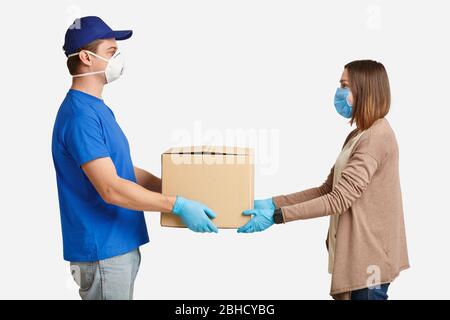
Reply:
x=147, y=180
x=127, y=194
x=124, y=193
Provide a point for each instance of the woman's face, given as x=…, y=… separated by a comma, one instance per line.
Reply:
x=346, y=84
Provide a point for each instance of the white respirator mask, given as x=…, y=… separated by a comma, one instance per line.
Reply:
x=114, y=68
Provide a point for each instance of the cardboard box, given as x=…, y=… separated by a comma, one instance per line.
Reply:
x=220, y=177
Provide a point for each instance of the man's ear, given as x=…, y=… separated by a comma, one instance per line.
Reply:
x=85, y=58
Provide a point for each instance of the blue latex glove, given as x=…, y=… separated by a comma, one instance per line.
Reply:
x=262, y=217
x=196, y=216
x=264, y=204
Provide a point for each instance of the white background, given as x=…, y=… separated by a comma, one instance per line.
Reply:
x=228, y=64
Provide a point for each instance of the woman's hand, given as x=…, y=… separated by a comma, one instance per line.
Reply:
x=262, y=216
x=264, y=204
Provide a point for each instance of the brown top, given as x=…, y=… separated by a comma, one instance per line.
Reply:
x=339, y=166
x=370, y=240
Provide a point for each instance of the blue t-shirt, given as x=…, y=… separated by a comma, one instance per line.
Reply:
x=86, y=129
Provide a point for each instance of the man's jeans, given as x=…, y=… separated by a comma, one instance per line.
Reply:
x=379, y=293
x=109, y=279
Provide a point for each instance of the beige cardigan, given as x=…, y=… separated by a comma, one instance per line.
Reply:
x=370, y=240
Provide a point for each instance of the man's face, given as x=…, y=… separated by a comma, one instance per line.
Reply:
x=106, y=49
x=90, y=63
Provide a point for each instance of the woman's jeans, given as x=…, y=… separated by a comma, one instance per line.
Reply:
x=377, y=293
x=109, y=279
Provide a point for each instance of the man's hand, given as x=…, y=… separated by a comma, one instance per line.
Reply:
x=196, y=216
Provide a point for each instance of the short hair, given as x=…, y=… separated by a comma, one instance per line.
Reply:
x=369, y=84
x=74, y=62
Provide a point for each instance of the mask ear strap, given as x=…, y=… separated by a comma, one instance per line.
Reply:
x=87, y=74
x=95, y=55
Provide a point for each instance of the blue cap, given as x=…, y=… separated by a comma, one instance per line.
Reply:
x=88, y=29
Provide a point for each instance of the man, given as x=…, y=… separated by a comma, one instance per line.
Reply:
x=102, y=196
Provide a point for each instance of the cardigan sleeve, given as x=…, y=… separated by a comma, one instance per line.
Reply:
x=356, y=176
x=306, y=195
x=312, y=193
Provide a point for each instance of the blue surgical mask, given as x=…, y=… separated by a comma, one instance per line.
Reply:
x=343, y=107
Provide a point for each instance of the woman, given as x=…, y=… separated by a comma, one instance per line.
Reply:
x=366, y=238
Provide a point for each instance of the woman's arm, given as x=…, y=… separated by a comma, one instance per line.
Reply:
x=313, y=193
x=306, y=195
x=354, y=180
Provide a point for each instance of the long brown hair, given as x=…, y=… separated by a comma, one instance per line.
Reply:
x=369, y=84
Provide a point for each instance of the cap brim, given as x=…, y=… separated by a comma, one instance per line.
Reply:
x=119, y=35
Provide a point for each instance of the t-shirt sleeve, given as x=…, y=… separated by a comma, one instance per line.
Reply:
x=84, y=140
